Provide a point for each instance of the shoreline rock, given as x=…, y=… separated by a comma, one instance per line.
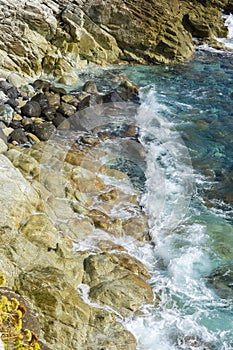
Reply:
x=65, y=198
x=50, y=38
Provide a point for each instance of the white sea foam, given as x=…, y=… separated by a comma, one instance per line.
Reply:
x=169, y=169
x=180, y=257
x=229, y=40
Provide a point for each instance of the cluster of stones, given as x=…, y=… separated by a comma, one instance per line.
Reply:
x=32, y=113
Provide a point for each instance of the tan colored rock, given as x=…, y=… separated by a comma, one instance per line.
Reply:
x=47, y=37
x=86, y=181
x=24, y=162
x=78, y=228
x=114, y=337
x=68, y=80
x=17, y=198
x=117, y=281
x=136, y=227
x=105, y=222
x=63, y=314
x=106, y=245
x=104, y=170
x=39, y=229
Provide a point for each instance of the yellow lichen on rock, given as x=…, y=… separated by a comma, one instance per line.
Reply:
x=11, y=333
x=2, y=279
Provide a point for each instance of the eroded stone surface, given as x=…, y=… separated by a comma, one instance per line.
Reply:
x=55, y=37
x=117, y=280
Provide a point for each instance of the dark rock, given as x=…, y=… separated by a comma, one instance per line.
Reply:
x=19, y=136
x=229, y=7
x=57, y=90
x=31, y=109
x=27, y=123
x=4, y=85
x=59, y=120
x=90, y=87
x=89, y=100
x=66, y=109
x=12, y=102
x=85, y=102
x=15, y=124
x=40, y=85
x=49, y=113
x=197, y=29
x=43, y=130
x=12, y=92
x=42, y=100
x=222, y=281
x=112, y=97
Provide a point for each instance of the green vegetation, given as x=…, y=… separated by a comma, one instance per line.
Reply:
x=12, y=334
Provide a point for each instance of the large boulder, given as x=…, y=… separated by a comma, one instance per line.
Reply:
x=117, y=280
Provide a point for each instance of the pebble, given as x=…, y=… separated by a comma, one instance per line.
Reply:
x=42, y=100
x=19, y=136
x=90, y=87
x=6, y=113
x=3, y=97
x=43, y=130
x=31, y=109
x=49, y=113
x=53, y=99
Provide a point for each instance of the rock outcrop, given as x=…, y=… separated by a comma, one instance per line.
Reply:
x=55, y=194
x=53, y=37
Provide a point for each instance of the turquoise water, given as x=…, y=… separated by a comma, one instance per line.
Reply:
x=195, y=100
x=186, y=125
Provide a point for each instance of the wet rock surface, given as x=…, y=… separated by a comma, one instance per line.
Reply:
x=117, y=281
x=222, y=281
x=56, y=194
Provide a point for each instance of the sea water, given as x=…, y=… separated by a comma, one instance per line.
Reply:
x=186, y=126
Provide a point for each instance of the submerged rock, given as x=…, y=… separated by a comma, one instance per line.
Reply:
x=222, y=281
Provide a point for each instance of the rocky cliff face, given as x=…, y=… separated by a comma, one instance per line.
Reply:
x=55, y=36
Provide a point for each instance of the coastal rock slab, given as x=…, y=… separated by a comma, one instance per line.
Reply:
x=117, y=280
x=17, y=197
